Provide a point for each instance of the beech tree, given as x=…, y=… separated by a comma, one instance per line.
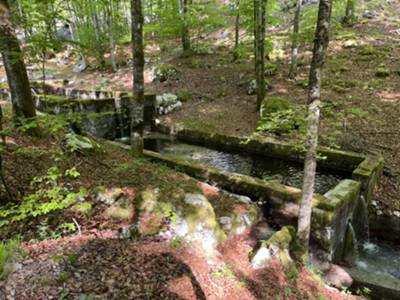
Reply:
x=21, y=96
x=349, y=16
x=259, y=48
x=295, y=39
x=138, y=70
x=321, y=42
x=185, y=35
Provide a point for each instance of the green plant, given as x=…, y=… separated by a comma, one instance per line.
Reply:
x=9, y=250
x=51, y=195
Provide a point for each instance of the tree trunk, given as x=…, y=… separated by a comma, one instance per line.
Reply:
x=259, y=38
x=21, y=96
x=295, y=39
x=237, y=30
x=138, y=76
x=185, y=35
x=349, y=17
x=97, y=32
x=111, y=37
x=314, y=101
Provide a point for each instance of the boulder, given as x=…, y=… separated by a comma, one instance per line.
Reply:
x=167, y=103
x=276, y=246
x=338, y=277
x=164, y=72
x=79, y=68
x=110, y=196
x=240, y=214
x=188, y=217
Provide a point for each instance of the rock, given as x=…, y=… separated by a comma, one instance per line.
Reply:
x=110, y=196
x=338, y=277
x=164, y=72
x=121, y=209
x=262, y=231
x=252, y=87
x=190, y=218
x=350, y=44
x=262, y=258
x=79, y=144
x=167, y=103
x=226, y=223
x=80, y=67
x=396, y=213
x=276, y=246
x=238, y=214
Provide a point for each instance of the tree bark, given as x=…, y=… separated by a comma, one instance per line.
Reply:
x=349, y=17
x=96, y=24
x=138, y=76
x=185, y=35
x=321, y=42
x=21, y=96
x=111, y=37
x=259, y=53
x=237, y=29
x=295, y=39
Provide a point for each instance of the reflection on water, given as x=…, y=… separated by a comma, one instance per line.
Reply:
x=266, y=168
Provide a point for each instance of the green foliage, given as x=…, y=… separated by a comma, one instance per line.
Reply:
x=50, y=196
x=9, y=250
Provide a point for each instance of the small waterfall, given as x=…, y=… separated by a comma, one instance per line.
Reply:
x=353, y=239
x=365, y=214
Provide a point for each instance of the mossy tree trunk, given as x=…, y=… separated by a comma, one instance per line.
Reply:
x=259, y=51
x=21, y=96
x=349, y=18
x=138, y=74
x=321, y=42
x=295, y=39
x=185, y=34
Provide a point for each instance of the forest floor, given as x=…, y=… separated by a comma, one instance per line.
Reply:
x=361, y=113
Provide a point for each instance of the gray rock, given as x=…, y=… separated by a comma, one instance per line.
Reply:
x=80, y=67
x=110, y=196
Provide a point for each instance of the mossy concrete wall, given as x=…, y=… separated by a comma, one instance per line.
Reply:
x=331, y=212
x=97, y=117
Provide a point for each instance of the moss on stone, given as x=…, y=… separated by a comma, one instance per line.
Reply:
x=281, y=238
x=346, y=191
x=382, y=72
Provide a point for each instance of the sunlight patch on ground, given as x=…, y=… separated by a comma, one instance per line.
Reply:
x=388, y=96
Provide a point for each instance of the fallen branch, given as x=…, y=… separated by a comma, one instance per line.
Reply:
x=77, y=226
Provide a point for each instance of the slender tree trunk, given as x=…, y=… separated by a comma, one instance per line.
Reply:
x=295, y=39
x=349, y=17
x=321, y=42
x=237, y=29
x=74, y=29
x=138, y=76
x=185, y=35
x=21, y=96
x=111, y=37
x=97, y=32
x=259, y=38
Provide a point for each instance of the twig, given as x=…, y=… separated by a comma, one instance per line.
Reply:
x=77, y=226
